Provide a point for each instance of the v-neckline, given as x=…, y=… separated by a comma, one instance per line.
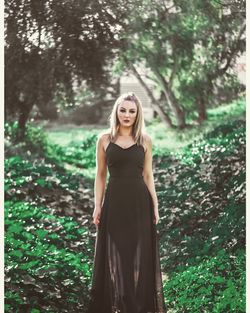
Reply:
x=122, y=147
x=119, y=146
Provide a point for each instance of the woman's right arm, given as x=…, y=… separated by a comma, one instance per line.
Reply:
x=100, y=179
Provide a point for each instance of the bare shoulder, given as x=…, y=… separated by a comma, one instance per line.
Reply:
x=147, y=141
x=103, y=136
x=147, y=138
x=103, y=139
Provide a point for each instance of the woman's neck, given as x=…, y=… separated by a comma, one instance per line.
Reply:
x=125, y=132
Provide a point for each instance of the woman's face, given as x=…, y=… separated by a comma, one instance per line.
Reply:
x=126, y=113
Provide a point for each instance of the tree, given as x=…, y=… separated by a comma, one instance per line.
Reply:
x=185, y=45
x=51, y=44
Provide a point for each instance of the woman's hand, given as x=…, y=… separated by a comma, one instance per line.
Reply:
x=96, y=216
x=156, y=217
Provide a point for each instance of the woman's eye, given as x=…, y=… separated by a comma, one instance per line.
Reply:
x=125, y=111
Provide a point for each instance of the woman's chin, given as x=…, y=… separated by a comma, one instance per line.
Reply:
x=126, y=124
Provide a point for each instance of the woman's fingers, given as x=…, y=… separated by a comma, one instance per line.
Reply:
x=156, y=219
x=96, y=219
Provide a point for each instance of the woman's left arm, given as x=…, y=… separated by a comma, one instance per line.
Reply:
x=148, y=175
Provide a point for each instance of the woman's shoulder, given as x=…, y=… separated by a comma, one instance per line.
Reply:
x=146, y=138
x=103, y=133
x=103, y=136
x=147, y=142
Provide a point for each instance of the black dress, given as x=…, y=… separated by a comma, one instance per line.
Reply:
x=126, y=272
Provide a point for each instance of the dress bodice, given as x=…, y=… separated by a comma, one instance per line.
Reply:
x=125, y=162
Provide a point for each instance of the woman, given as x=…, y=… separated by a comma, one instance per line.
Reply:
x=126, y=273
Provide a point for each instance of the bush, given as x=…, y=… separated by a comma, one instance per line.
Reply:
x=202, y=198
x=35, y=139
x=46, y=260
x=80, y=154
x=215, y=285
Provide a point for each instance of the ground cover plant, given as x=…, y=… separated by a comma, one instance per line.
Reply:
x=49, y=235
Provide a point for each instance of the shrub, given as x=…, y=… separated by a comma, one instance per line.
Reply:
x=202, y=198
x=215, y=285
x=46, y=260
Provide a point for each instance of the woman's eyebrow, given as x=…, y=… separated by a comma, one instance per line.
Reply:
x=125, y=108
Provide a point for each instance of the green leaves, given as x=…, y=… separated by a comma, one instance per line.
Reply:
x=201, y=192
x=80, y=154
x=48, y=249
x=211, y=286
x=202, y=197
x=49, y=241
x=44, y=260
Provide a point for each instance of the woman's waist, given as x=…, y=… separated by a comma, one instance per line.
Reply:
x=125, y=177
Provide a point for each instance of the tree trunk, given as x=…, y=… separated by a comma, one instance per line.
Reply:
x=25, y=110
x=201, y=109
x=155, y=104
x=173, y=103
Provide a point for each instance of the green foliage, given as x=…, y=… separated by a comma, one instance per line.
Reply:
x=216, y=285
x=10, y=130
x=80, y=154
x=167, y=140
x=35, y=139
x=46, y=260
x=220, y=142
x=228, y=112
x=184, y=49
x=201, y=191
x=24, y=176
x=202, y=197
x=35, y=77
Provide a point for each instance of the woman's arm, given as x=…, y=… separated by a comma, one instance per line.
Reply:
x=100, y=178
x=148, y=173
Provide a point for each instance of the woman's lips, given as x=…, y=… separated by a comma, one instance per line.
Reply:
x=126, y=121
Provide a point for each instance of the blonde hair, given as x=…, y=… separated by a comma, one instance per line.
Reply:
x=138, y=128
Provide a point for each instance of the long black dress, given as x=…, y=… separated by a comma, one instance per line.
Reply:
x=126, y=273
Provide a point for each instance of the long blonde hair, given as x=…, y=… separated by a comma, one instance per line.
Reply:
x=138, y=129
